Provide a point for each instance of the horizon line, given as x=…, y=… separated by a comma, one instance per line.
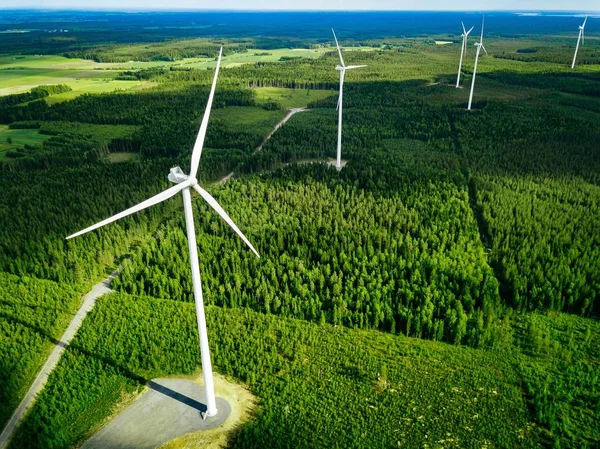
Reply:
x=192, y=9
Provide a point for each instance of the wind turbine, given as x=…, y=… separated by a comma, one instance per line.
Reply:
x=463, y=49
x=183, y=183
x=342, y=69
x=479, y=46
x=581, y=39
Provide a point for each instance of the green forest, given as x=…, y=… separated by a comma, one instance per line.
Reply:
x=442, y=290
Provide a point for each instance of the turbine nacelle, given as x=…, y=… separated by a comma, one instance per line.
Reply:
x=340, y=68
x=480, y=45
x=177, y=176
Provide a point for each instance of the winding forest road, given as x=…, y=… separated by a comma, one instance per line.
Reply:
x=89, y=300
x=289, y=115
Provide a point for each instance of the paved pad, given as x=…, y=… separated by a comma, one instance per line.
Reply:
x=171, y=408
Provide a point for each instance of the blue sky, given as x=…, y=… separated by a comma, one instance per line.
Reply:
x=439, y=5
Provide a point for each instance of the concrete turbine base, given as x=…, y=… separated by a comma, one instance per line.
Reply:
x=332, y=163
x=170, y=409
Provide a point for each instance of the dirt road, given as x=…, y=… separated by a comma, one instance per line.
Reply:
x=89, y=300
x=289, y=115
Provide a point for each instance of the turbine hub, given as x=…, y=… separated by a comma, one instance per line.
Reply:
x=177, y=176
x=339, y=67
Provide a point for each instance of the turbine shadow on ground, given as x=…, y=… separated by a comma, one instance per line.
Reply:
x=177, y=396
x=125, y=371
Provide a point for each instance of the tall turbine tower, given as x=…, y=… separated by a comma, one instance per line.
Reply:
x=342, y=69
x=581, y=39
x=463, y=49
x=183, y=183
x=479, y=46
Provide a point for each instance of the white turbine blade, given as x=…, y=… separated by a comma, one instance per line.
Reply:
x=483, y=48
x=217, y=207
x=338, y=48
x=197, y=152
x=464, y=29
x=143, y=205
x=469, y=32
x=584, y=22
x=482, y=26
x=338, y=104
x=350, y=67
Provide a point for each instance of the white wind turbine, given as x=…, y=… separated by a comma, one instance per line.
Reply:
x=183, y=184
x=581, y=39
x=342, y=69
x=479, y=46
x=463, y=49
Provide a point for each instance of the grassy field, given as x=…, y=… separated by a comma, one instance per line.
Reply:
x=121, y=157
x=256, y=55
x=97, y=87
x=290, y=98
x=81, y=81
x=21, y=73
x=19, y=138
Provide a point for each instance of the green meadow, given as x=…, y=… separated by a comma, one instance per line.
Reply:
x=14, y=139
x=21, y=73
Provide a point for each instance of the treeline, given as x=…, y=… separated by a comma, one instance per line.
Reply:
x=33, y=314
x=556, y=55
x=169, y=51
x=36, y=93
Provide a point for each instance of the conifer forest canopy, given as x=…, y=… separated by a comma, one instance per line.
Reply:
x=442, y=290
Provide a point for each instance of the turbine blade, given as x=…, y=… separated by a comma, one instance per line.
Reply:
x=197, y=152
x=486, y=53
x=337, y=108
x=350, y=67
x=584, y=22
x=482, y=27
x=582, y=37
x=469, y=32
x=463, y=26
x=143, y=205
x=217, y=207
x=338, y=48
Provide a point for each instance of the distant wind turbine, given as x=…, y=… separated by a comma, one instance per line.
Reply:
x=342, y=69
x=581, y=39
x=463, y=49
x=183, y=184
x=479, y=46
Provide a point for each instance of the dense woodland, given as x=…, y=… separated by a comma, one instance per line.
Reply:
x=33, y=314
x=326, y=386
x=471, y=229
